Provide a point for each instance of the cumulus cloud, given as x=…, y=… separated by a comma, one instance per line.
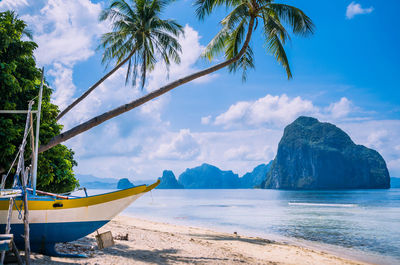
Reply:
x=183, y=146
x=354, y=9
x=64, y=37
x=341, y=108
x=247, y=153
x=63, y=82
x=206, y=120
x=63, y=34
x=278, y=111
x=274, y=110
x=12, y=4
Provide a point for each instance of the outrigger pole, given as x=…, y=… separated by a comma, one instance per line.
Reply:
x=35, y=160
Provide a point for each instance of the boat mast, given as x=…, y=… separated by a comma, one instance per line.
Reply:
x=35, y=161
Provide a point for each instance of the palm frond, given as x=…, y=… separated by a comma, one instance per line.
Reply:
x=234, y=42
x=244, y=63
x=301, y=24
x=274, y=45
x=206, y=7
x=235, y=16
x=217, y=44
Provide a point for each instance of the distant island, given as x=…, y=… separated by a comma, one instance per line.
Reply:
x=92, y=182
x=311, y=155
x=207, y=176
x=316, y=155
x=168, y=181
x=124, y=184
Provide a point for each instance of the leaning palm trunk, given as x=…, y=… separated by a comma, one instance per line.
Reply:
x=138, y=102
x=84, y=95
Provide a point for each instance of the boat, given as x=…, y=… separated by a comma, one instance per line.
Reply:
x=55, y=218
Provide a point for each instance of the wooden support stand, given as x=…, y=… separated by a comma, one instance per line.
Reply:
x=26, y=228
x=7, y=243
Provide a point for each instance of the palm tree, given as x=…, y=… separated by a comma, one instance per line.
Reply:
x=233, y=39
x=138, y=36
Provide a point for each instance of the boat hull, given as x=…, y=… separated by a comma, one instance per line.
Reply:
x=53, y=221
x=43, y=236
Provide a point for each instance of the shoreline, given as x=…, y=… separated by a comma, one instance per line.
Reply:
x=152, y=242
x=361, y=256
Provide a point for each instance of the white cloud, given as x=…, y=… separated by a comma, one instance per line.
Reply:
x=206, y=120
x=247, y=153
x=278, y=111
x=63, y=34
x=182, y=146
x=376, y=138
x=110, y=94
x=143, y=156
x=63, y=82
x=273, y=110
x=355, y=9
x=381, y=135
x=340, y=109
x=12, y=4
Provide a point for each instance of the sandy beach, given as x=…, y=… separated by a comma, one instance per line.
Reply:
x=159, y=243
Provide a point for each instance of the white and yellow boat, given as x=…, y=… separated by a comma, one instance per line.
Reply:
x=53, y=219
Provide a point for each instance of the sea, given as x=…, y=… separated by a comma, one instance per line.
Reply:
x=360, y=224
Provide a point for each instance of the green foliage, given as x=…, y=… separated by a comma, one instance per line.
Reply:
x=19, y=83
x=138, y=28
x=272, y=16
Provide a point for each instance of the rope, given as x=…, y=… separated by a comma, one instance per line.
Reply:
x=18, y=210
x=12, y=165
x=20, y=152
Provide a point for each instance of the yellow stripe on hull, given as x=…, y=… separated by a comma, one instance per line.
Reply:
x=98, y=207
x=40, y=204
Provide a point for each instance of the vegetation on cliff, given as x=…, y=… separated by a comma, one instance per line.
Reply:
x=315, y=155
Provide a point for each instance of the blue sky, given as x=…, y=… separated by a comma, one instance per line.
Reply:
x=346, y=73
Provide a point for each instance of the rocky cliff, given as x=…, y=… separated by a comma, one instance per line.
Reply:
x=168, y=181
x=315, y=155
x=208, y=177
x=253, y=179
x=124, y=184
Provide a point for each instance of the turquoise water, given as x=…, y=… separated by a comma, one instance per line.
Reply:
x=359, y=221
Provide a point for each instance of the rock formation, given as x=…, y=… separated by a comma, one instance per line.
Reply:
x=208, y=177
x=315, y=155
x=168, y=181
x=253, y=179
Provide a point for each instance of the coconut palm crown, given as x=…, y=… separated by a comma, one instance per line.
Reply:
x=140, y=35
x=234, y=37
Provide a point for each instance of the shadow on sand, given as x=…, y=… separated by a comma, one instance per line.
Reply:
x=252, y=240
x=157, y=256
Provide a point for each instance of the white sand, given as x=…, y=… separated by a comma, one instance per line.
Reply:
x=159, y=243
